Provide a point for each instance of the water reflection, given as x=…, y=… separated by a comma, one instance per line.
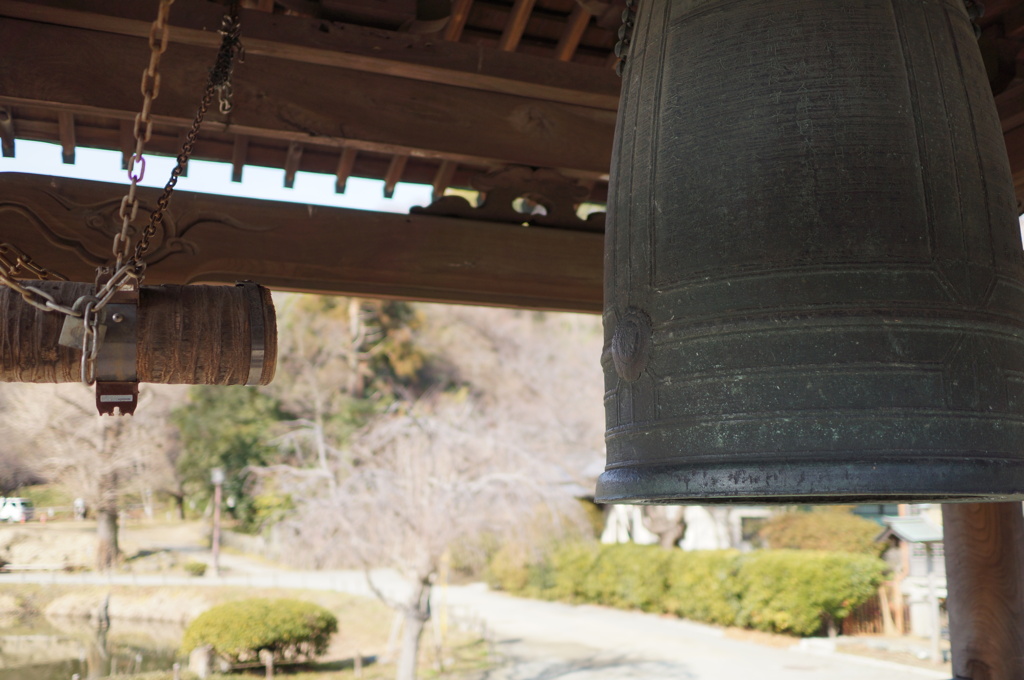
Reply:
x=55, y=649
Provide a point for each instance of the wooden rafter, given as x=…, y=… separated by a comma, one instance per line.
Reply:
x=570, y=40
x=516, y=24
x=394, y=176
x=126, y=142
x=239, y=154
x=291, y=164
x=66, y=124
x=457, y=20
x=443, y=179
x=6, y=131
x=346, y=162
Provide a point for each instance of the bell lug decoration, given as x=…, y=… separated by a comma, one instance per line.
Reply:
x=814, y=282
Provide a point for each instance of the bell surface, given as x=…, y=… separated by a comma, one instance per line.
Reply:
x=813, y=265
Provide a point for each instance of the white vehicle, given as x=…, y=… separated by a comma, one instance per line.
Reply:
x=16, y=510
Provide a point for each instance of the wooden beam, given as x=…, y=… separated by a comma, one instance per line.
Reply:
x=518, y=17
x=570, y=40
x=984, y=546
x=346, y=162
x=66, y=124
x=368, y=50
x=67, y=225
x=279, y=99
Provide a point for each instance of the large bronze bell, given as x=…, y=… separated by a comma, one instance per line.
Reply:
x=814, y=283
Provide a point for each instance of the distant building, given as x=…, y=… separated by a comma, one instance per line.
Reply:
x=699, y=527
x=915, y=555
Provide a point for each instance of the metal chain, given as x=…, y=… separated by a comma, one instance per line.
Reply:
x=159, y=37
x=219, y=82
x=14, y=262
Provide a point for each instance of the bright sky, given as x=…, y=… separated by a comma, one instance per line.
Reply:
x=215, y=178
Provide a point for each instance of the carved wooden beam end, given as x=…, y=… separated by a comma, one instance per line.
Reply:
x=67, y=226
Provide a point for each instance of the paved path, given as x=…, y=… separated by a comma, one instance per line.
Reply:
x=549, y=641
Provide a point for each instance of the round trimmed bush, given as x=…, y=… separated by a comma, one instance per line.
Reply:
x=291, y=630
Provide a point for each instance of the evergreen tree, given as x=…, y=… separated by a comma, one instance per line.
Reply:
x=230, y=428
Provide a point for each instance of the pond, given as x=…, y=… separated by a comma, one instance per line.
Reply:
x=40, y=648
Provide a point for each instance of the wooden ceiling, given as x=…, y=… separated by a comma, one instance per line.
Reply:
x=370, y=88
x=339, y=86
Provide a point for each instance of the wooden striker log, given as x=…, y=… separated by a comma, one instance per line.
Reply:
x=187, y=335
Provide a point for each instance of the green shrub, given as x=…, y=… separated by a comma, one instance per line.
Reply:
x=788, y=591
x=239, y=631
x=509, y=569
x=194, y=568
x=796, y=591
x=701, y=586
x=269, y=507
x=822, y=529
x=561, y=575
x=627, y=576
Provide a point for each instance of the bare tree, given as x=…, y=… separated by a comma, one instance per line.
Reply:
x=510, y=419
x=538, y=372
x=329, y=348
x=434, y=473
x=96, y=458
x=14, y=471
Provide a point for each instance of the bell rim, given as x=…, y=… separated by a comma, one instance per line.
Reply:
x=816, y=482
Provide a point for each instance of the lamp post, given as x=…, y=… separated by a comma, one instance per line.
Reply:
x=217, y=477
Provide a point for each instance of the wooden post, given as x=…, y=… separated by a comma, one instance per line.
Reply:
x=218, y=484
x=267, y=657
x=888, y=624
x=933, y=605
x=984, y=544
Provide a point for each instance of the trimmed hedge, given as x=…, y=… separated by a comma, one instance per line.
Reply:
x=239, y=631
x=798, y=590
x=786, y=591
x=702, y=586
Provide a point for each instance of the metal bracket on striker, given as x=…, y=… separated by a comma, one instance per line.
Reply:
x=117, y=380
x=257, y=331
